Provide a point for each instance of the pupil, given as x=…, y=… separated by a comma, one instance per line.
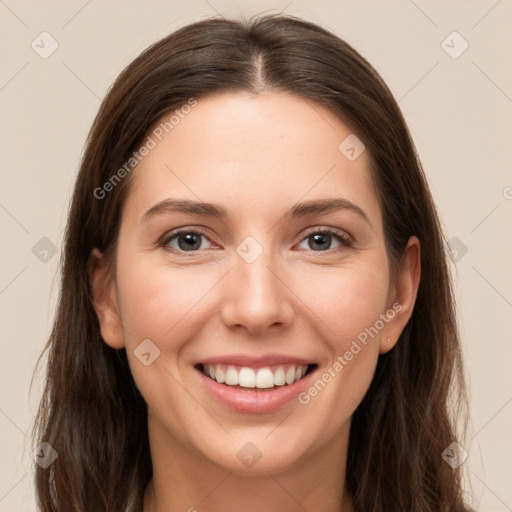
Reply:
x=318, y=240
x=192, y=241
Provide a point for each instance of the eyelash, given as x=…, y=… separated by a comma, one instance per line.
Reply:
x=345, y=240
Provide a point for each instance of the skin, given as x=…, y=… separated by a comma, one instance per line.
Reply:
x=256, y=156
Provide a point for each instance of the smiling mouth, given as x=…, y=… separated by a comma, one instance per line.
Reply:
x=247, y=378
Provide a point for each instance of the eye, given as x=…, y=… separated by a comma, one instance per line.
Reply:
x=185, y=240
x=321, y=240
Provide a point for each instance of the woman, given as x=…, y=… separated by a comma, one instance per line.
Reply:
x=256, y=311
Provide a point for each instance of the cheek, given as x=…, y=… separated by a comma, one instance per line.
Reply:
x=353, y=303
x=155, y=300
x=348, y=300
x=164, y=305
x=350, y=304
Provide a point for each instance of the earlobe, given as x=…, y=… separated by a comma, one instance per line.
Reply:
x=104, y=300
x=386, y=344
x=404, y=297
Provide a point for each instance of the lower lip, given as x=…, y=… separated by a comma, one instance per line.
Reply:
x=256, y=401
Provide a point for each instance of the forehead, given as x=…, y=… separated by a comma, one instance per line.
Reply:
x=246, y=151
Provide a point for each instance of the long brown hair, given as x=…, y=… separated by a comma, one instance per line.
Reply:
x=91, y=412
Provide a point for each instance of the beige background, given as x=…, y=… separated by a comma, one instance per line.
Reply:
x=459, y=112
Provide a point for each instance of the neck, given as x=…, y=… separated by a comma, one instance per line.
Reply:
x=185, y=481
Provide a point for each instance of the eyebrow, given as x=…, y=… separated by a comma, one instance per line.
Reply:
x=212, y=210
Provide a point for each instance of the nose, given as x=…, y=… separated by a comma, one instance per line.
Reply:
x=256, y=296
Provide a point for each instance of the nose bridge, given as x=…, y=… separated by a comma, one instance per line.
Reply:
x=257, y=297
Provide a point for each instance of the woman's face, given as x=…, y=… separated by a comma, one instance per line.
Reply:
x=260, y=286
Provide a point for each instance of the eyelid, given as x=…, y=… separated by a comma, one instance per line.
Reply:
x=332, y=231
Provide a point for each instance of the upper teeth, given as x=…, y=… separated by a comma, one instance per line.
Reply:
x=255, y=378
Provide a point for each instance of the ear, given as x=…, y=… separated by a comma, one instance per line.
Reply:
x=403, y=295
x=104, y=299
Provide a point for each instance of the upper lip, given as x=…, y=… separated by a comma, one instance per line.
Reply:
x=255, y=361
